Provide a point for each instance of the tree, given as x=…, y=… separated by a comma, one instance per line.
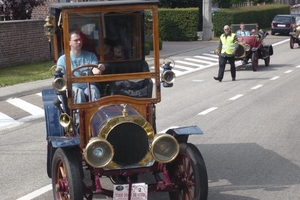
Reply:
x=20, y=9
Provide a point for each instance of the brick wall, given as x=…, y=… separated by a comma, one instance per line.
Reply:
x=41, y=12
x=22, y=42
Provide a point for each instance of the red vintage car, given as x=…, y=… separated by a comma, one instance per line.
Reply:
x=252, y=48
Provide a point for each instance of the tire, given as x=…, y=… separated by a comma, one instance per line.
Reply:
x=188, y=174
x=50, y=152
x=254, y=58
x=66, y=175
x=272, y=33
x=292, y=42
x=267, y=61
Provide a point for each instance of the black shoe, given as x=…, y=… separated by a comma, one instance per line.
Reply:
x=218, y=79
x=233, y=79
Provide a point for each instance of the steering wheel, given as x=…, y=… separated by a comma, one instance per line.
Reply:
x=85, y=72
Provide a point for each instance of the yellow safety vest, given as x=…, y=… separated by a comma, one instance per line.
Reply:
x=228, y=44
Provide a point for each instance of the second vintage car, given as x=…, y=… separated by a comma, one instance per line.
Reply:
x=252, y=48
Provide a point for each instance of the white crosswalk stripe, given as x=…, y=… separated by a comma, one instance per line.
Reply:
x=182, y=67
x=32, y=109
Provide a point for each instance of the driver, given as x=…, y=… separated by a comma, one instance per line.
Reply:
x=80, y=57
x=242, y=31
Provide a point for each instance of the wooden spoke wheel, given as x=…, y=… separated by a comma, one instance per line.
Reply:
x=66, y=175
x=188, y=174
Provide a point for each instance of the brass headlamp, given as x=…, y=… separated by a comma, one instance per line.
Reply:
x=48, y=28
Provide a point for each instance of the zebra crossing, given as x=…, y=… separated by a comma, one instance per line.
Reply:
x=195, y=63
x=17, y=111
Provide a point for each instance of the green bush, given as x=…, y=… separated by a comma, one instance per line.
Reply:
x=147, y=48
x=150, y=42
x=179, y=24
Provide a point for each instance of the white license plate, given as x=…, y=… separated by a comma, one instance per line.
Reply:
x=281, y=25
x=139, y=191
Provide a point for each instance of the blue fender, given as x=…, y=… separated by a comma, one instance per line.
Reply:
x=182, y=133
x=53, y=127
x=55, y=132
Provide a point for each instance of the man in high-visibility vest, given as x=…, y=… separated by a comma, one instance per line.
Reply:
x=226, y=51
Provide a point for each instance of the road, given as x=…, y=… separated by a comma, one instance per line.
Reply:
x=250, y=143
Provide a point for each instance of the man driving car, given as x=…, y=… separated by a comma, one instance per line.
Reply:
x=79, y=57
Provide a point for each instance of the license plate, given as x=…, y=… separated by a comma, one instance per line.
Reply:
x=281, y=25
x=139, y=191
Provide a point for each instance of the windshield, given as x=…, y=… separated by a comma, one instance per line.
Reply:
x=116, y=41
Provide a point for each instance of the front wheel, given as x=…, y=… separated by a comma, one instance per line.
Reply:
x=254, y=59
x=66, y=176
x=292, y=42
x=188, y=174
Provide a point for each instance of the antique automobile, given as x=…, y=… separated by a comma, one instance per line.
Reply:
x=252, y=48
x=295, y=35
x=110, y=145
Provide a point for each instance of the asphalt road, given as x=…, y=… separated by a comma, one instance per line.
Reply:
x=250, y=143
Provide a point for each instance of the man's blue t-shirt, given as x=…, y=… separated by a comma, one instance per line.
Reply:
x=84, y=58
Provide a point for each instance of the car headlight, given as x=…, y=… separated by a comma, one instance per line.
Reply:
x=98, y=152
x=165, y=148
x=246, y=47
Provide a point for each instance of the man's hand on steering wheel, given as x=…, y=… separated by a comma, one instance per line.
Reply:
x=99, y=69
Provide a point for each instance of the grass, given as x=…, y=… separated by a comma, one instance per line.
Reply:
x=25, y=73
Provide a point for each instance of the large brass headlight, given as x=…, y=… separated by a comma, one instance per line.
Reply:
x=165, y=148
x=98, y=152
x=246, y=47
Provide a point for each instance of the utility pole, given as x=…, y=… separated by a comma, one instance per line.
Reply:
x=207, y=21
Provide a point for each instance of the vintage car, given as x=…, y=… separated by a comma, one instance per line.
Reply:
x=113, y=141
x=295, y=35
x=252, y=48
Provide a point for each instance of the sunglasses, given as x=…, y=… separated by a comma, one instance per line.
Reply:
x=226, y=29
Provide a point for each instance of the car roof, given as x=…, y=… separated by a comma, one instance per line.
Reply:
x=101, y=3
x=284, y=15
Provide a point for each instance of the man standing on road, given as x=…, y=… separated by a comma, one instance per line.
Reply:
x=226, y=51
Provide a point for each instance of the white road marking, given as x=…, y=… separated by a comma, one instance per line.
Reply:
x=298, y=66
x=208, y=111
x=28, y=107
x=198, y=80
x=188, y=63
x=183, y=67
x=199, y=61
x=278, y=43
x=7, y=122
x=207, y=58
x=39, y=94
x=236, y=97
x=288, y=71
x=256, y=87
x=211, y=55
x=274, y=78
x=36, y=193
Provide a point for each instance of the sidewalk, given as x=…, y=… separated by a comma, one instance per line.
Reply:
x=169, y=49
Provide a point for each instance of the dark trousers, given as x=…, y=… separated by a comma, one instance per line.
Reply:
x=222, y=63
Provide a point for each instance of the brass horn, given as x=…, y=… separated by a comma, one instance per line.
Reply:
x=65, y=120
